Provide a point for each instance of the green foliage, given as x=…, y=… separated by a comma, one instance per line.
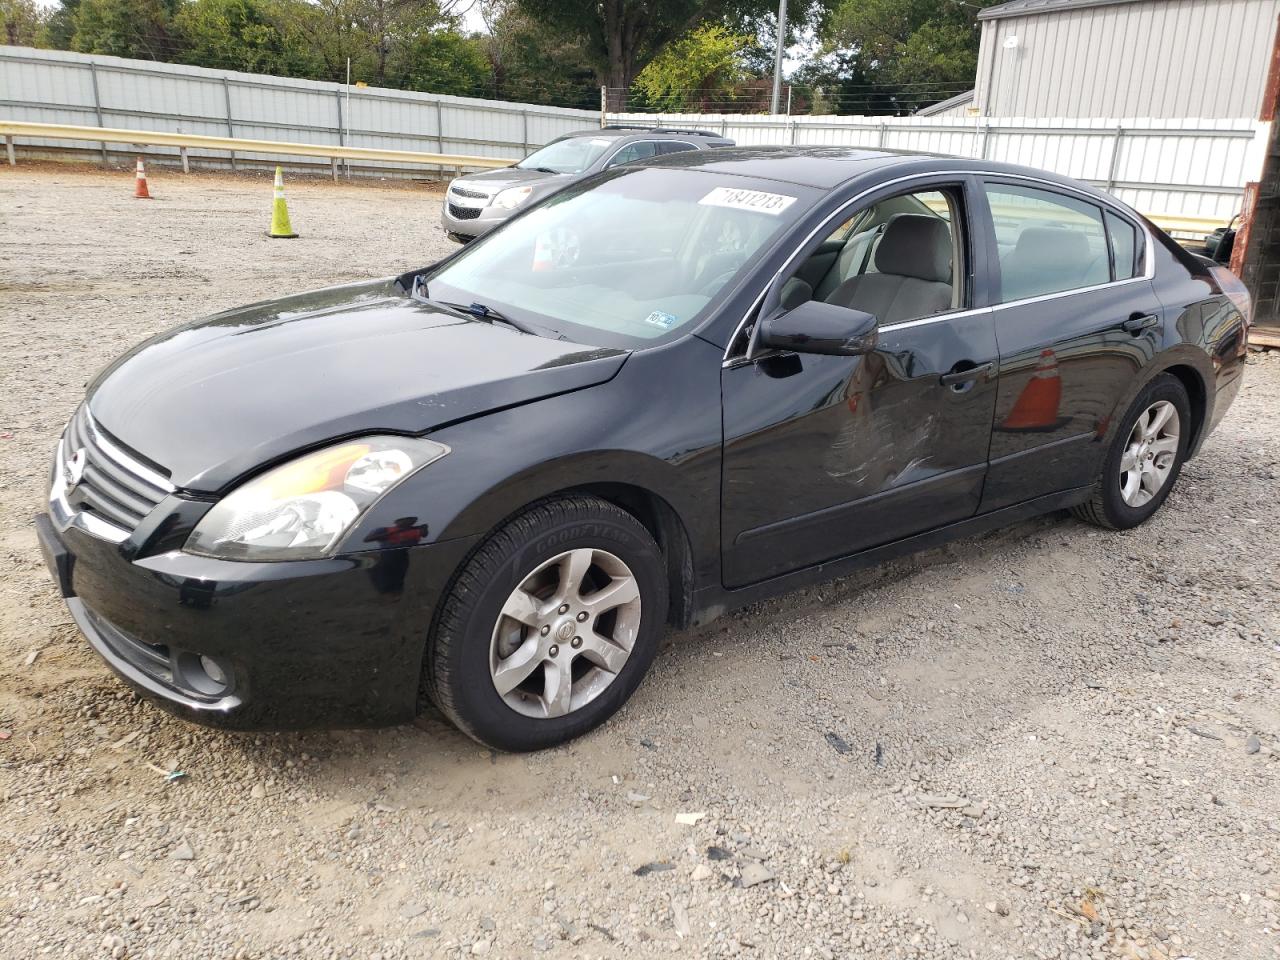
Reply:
x=619, y=38
x=704, y=63
x=24, y=24
x=894, y=56
x=125, y=28
x=531, y=62
x=442, y=61
x=253, y=35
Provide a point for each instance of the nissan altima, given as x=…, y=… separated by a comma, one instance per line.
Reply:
x=671, y=389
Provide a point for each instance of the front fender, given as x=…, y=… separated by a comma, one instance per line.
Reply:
x=654, y=427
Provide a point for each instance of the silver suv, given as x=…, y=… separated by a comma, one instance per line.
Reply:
x=478, y=202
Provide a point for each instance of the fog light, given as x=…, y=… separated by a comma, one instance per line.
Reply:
x=207, y=676
x=215, y=672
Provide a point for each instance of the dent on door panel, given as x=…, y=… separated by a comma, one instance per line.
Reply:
x=825, y=456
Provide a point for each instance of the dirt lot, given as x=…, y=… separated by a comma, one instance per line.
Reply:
x=1049, y=742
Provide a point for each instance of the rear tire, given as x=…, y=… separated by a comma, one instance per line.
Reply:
x=1144, y=459
x=550, y=626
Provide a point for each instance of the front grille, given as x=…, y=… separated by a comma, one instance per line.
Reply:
x=470, y=194
x=463, y=213
x=113, y=484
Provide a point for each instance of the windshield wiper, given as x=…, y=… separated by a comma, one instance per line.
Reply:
x=486, y=312
x=546, y=170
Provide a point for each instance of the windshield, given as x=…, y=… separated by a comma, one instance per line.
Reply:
x=624, y=260
x=569, y=155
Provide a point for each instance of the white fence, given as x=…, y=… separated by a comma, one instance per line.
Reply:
x=53, y=86
x=1179, y=168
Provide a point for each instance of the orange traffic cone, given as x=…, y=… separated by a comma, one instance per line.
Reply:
x=542, y=258
x=1037, y=405
x=140, y=182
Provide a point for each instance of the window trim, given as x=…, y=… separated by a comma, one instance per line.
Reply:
x=632, y=143
x=1103, y=208
x=730, y=359
x=1107, y=216
x=956, y=181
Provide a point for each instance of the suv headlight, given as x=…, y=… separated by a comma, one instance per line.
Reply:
x=301, y=509
x=512, y=198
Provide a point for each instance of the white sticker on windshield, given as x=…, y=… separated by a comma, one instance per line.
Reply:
x=600, y=141
x=661, y=319
x=756, y=200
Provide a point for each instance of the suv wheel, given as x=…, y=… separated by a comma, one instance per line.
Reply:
x=550, y=626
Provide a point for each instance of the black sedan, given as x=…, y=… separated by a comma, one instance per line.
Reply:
x=667, y=391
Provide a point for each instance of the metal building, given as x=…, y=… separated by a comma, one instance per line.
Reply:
x=1124, y=58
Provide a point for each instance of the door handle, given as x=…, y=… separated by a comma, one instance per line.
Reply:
x=1139, y=322
x=958, y=376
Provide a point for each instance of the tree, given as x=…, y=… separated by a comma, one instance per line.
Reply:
x=698, y=70
x=125, y=28
x=895, y=56
x=60, y=25
x=621, y=37
x=530, y=61
x=23, y=22
x=248, y=35
x=441, y=61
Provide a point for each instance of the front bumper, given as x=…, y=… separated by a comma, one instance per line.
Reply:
x=456, y=220
x=312, y=643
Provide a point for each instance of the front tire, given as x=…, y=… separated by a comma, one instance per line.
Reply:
x=1144, y=459
x=550, y=626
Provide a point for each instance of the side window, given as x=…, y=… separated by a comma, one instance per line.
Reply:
x=674, y=146
x=1123, y=237
x=896, y=259
x=1049, y=242
x=632, y=152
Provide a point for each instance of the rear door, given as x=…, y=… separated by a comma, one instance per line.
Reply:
x=1076, y=319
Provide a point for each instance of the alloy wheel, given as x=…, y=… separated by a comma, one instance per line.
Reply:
x=565, y=633
x=1151, y=453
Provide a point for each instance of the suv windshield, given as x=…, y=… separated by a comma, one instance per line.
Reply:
x=569, y=155
x=626, y=259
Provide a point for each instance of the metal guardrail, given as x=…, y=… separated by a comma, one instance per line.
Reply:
x=11, y=129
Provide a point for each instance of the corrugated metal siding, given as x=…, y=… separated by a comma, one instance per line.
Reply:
x=55, y=86
x=1188, y=168
x=1157, y=58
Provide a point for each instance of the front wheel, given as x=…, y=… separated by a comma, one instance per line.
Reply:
x=550, y=626
x=1144, y=459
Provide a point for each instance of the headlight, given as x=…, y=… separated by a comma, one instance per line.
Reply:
x=512, y=198
x=301, y=509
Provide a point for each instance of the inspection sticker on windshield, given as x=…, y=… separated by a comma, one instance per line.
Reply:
x=757, y=200
x=659, y=319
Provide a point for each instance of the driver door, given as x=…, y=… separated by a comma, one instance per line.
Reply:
x=825, y=456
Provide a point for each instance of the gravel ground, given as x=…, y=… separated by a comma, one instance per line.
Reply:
x=1048, y=742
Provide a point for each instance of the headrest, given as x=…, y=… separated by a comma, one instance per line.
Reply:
x=1051, y=248
x=916, y=245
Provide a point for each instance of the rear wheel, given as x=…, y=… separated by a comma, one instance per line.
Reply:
x=550, y=626
x=1144, y=459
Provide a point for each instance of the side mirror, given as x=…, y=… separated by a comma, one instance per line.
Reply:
x=818, y=327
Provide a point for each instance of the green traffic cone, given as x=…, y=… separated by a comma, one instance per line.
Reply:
x=281, y=229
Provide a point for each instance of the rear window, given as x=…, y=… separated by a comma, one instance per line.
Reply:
x=1049, y=242
x=1123, y=237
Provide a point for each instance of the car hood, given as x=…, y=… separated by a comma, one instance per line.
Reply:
x=493, y=181
x=218, y=398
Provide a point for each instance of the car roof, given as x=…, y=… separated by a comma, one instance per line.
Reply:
x=828, y=167
x=622, y=132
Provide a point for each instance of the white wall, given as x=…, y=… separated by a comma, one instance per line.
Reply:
x=1150, y=58
x=1188, y=168
x=54, y=86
